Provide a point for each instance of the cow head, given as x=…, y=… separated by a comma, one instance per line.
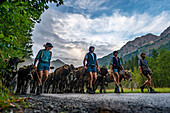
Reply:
x=103, y=71
x=127, y=75
x=69, y=68
x=13, y=62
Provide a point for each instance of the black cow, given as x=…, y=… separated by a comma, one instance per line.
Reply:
x=25, y=75
x=110, y=78
x=10, y=73
x=101, y=79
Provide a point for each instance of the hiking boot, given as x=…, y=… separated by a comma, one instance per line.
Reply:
x=91, y=91
x=117, y=89
x=38, y=90
x=142, y=87
x=152, y=91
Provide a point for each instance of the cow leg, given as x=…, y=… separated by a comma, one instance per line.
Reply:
x=18, y=85
x=34, y=86
x=54, y=88
x=121, y=87
x=101, y=87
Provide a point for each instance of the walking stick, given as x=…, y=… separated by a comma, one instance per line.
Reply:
x=37, y=76
x=144, y=81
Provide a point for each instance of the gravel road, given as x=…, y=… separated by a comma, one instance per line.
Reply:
x=99, y=103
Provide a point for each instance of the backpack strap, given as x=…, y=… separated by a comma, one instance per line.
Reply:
x=42, y=52
x=143, y=62
x=50, y=53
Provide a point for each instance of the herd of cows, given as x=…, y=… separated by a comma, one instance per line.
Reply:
x=65, y=79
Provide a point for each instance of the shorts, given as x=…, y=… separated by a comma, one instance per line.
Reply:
x=43, y=66
x=145, y=73
x=116, y=70
x=91, y=69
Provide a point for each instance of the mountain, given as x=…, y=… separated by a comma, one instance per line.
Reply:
x=57, y=63
x=140, y=44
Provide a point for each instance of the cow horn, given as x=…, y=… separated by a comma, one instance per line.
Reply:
x=66, y=67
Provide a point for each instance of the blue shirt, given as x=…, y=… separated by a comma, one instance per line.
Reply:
x=117, y=61
x=45, y=57
x=92, y=56
x=140, y=64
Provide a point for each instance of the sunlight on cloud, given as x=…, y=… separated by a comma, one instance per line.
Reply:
x=72, y=34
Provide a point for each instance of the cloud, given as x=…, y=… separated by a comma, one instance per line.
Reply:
x=72, y=34
x=89, y=5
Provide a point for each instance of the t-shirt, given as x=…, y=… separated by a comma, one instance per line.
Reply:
x=92, y=56
x=45, y=57
x=140, y=64
x=117, y=61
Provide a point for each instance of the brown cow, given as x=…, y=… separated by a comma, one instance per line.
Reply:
x=61, y=78
x=123, y=76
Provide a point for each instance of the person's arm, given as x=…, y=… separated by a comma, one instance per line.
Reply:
x=37, y=57
x=122, y=67
x=97, y=65
x=140, y=69
x=150, y=70
x=49, y=63
x=35, y=62
x=111, y=68
x=139, y=64
x=84, y=62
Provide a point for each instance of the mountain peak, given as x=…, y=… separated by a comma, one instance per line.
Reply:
x=165, y=32
x=144, y=43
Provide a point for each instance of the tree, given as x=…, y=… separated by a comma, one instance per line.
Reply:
x=17, y=20
x=154, y=53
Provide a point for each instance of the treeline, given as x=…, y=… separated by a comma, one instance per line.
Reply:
x=17, y=21
x=159, y=64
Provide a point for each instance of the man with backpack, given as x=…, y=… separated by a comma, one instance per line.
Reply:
x=44, y=57
x=115, y=67
x=145, y=70
x=91, y=67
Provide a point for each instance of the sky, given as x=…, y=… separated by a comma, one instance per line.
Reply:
x=105, y=24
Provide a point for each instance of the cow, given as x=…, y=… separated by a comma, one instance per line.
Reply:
x=101, y=79
x=126, y=75
x=25, y=75
x=78, y=82
x=48, y=82
x=61, y=78
x=34, y=82
x=10, y=73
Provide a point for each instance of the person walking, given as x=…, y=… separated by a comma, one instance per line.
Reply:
x=91, y=67
x=44, y=57
x=116, y=67
x=145, y=70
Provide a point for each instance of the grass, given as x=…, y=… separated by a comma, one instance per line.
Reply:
x=126, y=90
x=8, y=100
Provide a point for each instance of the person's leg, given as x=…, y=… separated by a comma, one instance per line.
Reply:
x=117, y=79
x=94, y=77
x=117, y=82
x=149, y=80
x=45, y=76
x=40, y=77
x=91, y=79
x=94, y=81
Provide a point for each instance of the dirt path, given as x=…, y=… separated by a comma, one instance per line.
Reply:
x=108, y=103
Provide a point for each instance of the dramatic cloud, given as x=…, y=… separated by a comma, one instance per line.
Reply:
x=72, y=33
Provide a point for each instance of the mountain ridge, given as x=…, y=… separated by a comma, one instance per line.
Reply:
x=140, y=44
